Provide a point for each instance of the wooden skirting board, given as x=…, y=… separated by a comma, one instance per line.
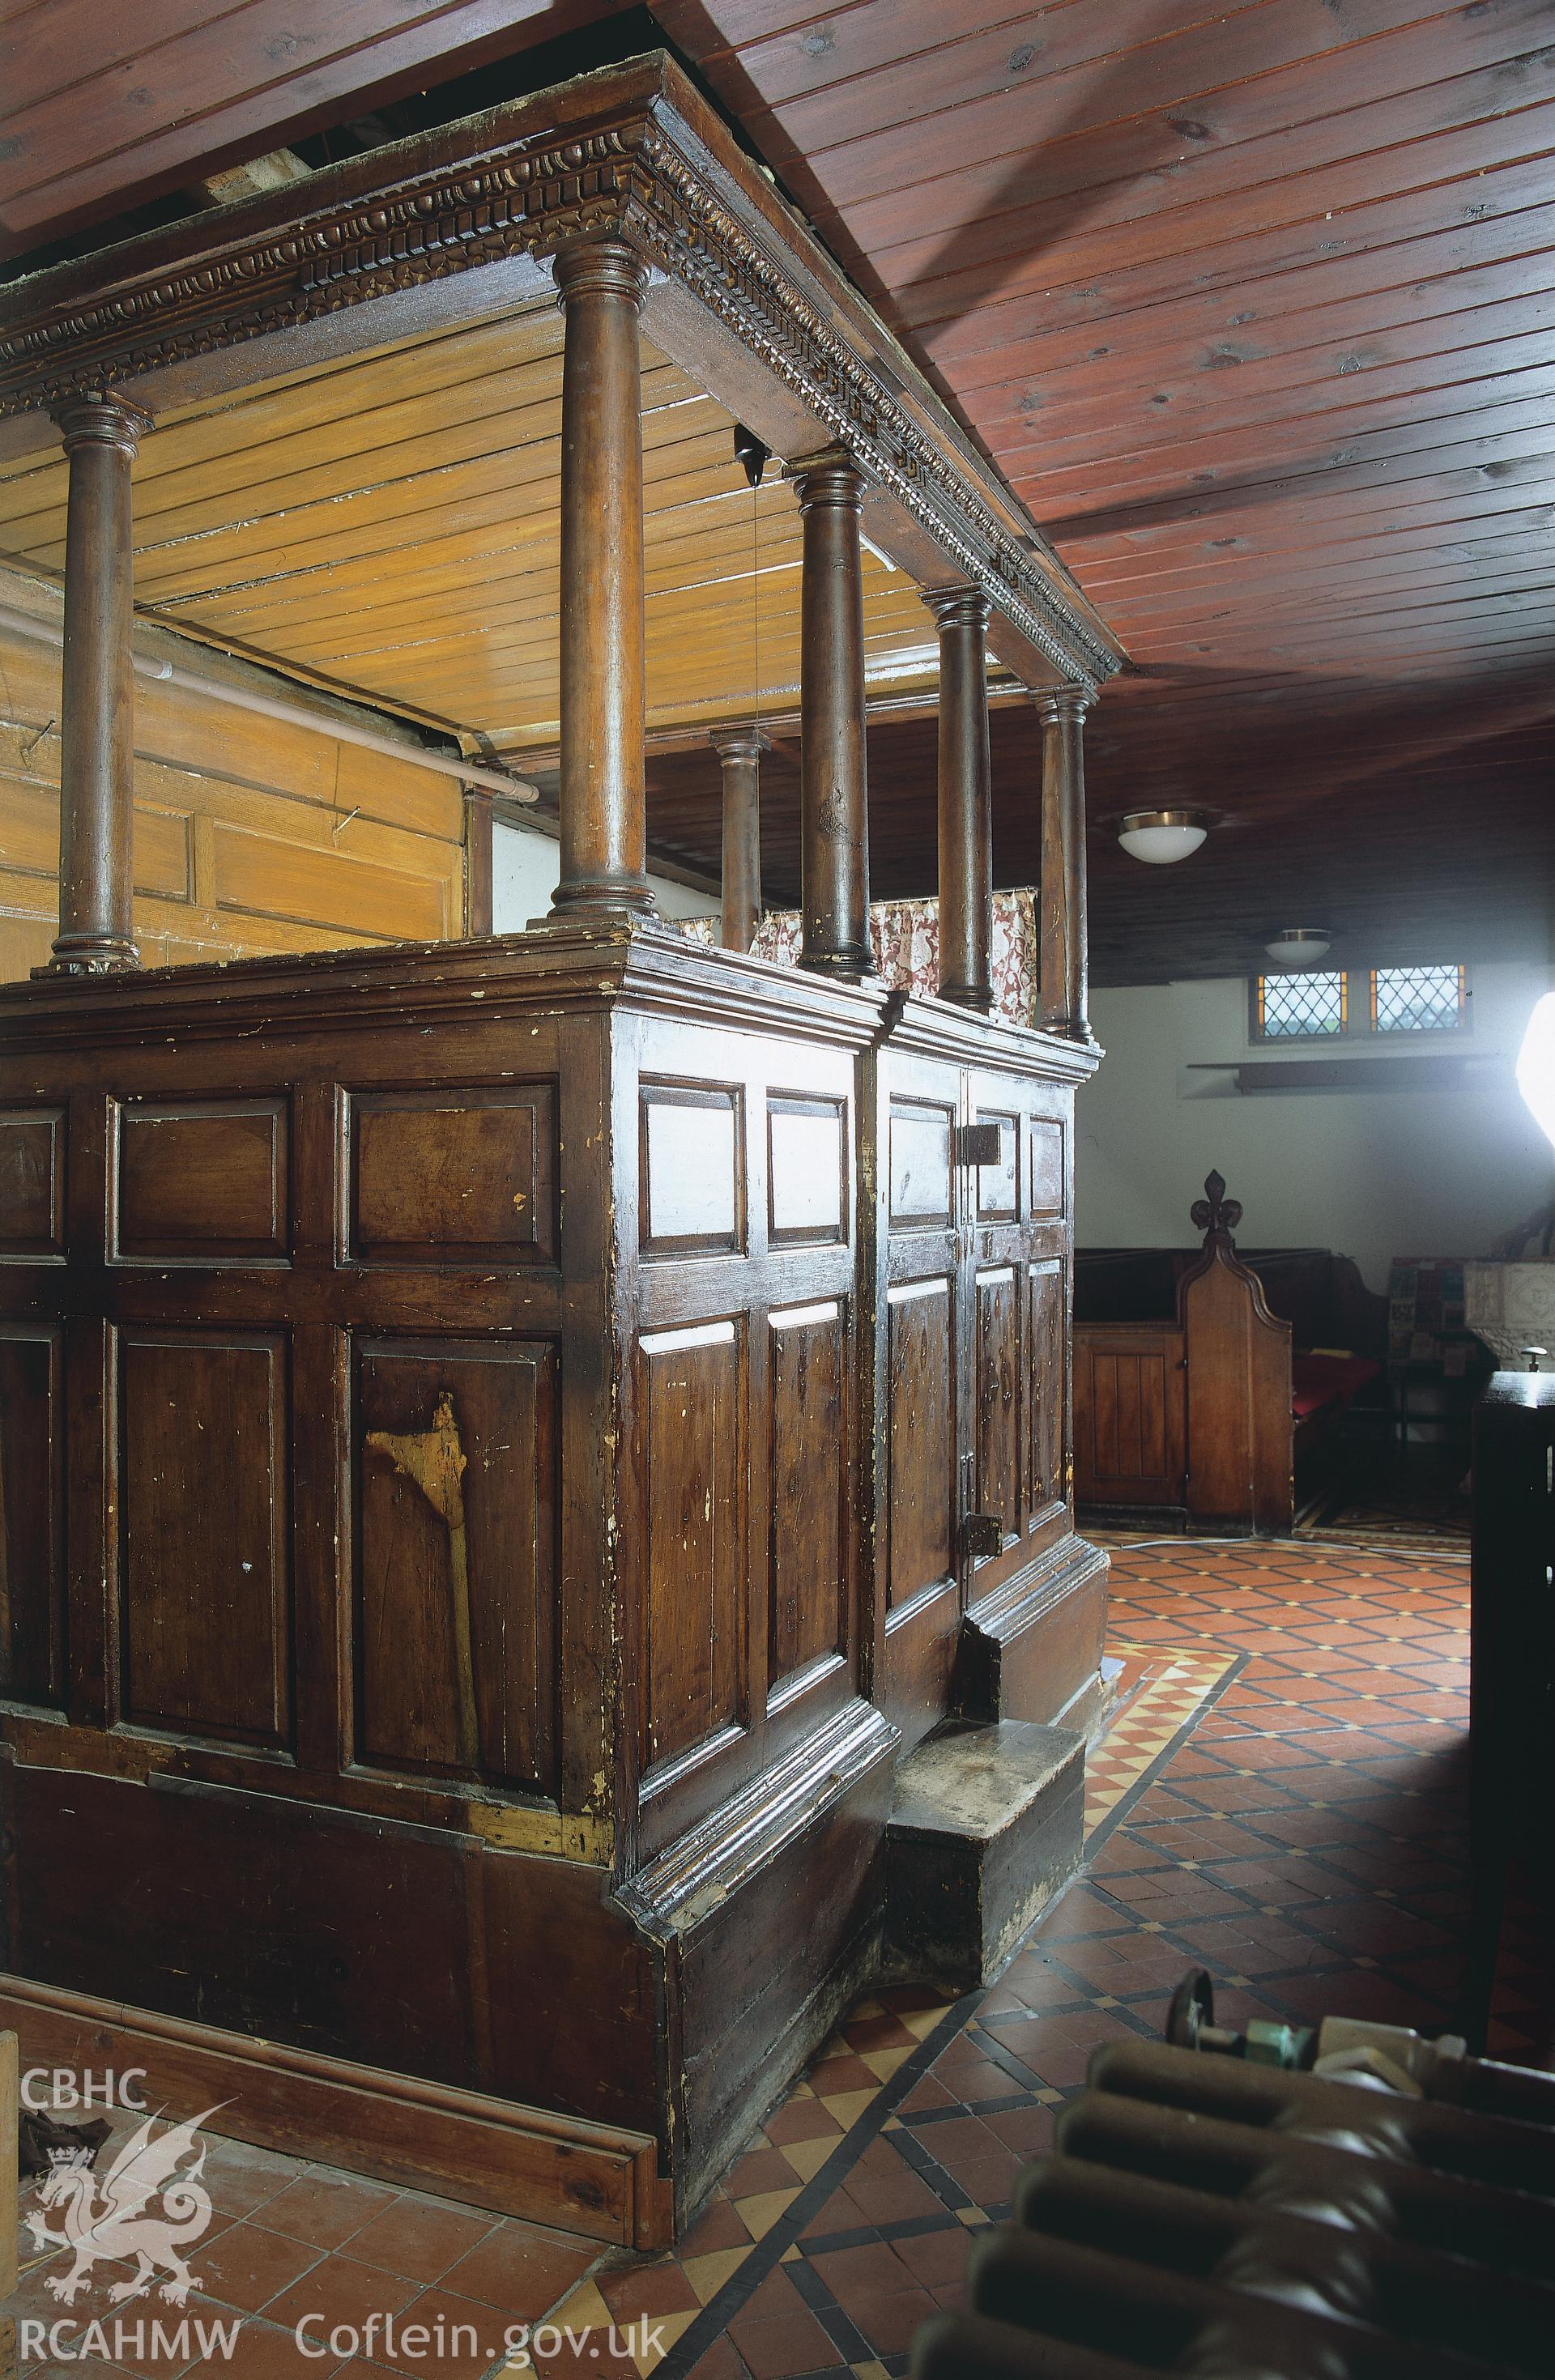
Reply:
x=559, y=2170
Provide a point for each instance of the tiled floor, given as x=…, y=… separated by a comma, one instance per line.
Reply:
x=1279, y=1798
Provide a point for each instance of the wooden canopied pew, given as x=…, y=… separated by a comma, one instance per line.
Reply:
x=507, y=1447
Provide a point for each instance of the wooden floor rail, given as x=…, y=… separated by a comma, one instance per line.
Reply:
x=413, y=2136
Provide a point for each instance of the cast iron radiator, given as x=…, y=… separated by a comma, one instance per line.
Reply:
x=1224, y=2218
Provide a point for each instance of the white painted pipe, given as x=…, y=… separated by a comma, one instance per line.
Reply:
x=469, y=772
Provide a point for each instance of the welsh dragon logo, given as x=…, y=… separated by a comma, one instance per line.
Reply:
x=106, y=2218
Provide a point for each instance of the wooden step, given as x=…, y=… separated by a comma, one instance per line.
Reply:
x=986, y=1826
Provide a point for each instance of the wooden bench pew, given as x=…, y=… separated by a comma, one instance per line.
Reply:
x=1209, y=1385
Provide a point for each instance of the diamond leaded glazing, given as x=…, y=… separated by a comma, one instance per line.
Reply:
x=1416, y=1000
x=1298, y=1006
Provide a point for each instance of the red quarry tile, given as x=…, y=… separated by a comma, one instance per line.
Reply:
x=719, y=2363
x=927, y=2093
x=1172, y=1895
x=324, y=2211
x=1081, y=1910
x=1124, y=1854
x=852, y=2273
x=247, y=2266
x=889, y=2319
x=522, y=2268
x=830, y=2076
x=338, y=2290
x=1204, y=1838
x=784, y=2345
x=839, y=2212
x=263, y=2353
x=801, y=2119
x=241, y=2178
x=885, y=2031
x=990, y=2181
x=975, y=2076
x=934, y=2259
x=657, y=2288
x=418, y=2239
x=718, y=2225
x=763, y=2169
x=1028, y=2131
x=886, y=2188
x=465, y=2339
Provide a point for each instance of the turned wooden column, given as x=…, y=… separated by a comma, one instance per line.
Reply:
x=97, y=694
x=966, y=800
x=740, y=750
x=604, y=833
x=834, y=826
x=1062, y=961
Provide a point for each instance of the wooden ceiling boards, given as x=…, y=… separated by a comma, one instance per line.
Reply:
x=1251, y=306
x=391, y=525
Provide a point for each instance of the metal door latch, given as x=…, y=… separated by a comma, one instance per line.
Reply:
x=982, y=1533
x=979, y=1144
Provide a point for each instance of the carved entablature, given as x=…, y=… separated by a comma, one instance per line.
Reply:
x=631, y=153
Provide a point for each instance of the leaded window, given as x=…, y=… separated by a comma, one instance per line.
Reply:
x=1417, y=999
x=1295, y=1005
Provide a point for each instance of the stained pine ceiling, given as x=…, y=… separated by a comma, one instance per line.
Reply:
x=390, y=526
x=1252, y=305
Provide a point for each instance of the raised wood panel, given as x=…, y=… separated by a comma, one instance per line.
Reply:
x=693, y=1481
x=206, y=1624
x=807, y=1373
x=920, y=1441
x=999, y=1186
x=376, y=842
x=204, y=1182
x=32, y=1182
x=455, y=1176
x=921, y=1180
x=29, y=830
x=31, y=1514
x=1131, y=1417
x=998, y=1405
x=456, y=1626
x=258, y=871
x=692, y=1161
x=1240, y=1449
x=1049, y=1376
x=1047, y=1169
x=807, y=1171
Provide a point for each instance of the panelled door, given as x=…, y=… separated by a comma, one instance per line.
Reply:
x=974, y=1434
x=1016, y=1458
x=920, y=1492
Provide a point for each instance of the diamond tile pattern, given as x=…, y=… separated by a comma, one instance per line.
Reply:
x=1279, y=1797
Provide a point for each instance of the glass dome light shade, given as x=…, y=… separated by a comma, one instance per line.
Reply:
x=1299, y=946
x=1159, y=837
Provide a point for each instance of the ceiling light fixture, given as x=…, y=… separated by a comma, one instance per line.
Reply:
x=1298, y=946
x=1158, y=837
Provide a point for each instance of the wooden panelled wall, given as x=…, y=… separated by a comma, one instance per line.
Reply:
x=252, y=836
x=550, y=1387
